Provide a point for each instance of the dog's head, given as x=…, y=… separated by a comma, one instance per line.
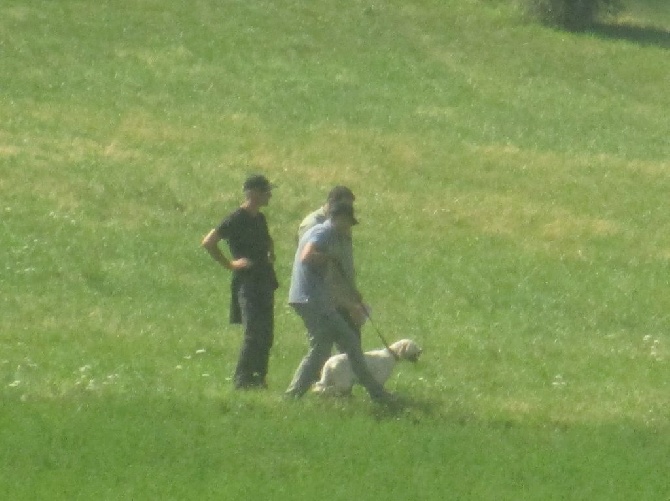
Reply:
x=406, y=349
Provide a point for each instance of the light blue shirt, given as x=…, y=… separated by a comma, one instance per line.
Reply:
x=308, y=281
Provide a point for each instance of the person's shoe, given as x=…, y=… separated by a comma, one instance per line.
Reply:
x=258, y=382
x=253, y=382
x=243, y=383
x=290, y=396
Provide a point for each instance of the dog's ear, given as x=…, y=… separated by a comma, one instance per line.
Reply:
x=402, y=349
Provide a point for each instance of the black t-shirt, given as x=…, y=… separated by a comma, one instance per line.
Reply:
x=248, y=236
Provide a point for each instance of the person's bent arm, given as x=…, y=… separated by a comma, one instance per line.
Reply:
x=211, y=245
x=313, y=256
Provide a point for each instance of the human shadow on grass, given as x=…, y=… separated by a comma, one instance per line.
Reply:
x=412, y=408
x=648, y=36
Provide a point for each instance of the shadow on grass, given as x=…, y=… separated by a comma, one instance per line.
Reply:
x=418, y=410
x=648, y=36
x=413, y=408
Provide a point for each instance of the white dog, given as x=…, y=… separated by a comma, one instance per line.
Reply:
x=337, y=378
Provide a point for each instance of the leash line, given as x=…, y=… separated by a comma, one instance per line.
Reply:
x=340, y=269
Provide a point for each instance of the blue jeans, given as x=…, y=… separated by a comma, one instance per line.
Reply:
x=325, y=328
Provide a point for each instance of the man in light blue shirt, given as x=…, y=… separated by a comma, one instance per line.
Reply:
x=346, y=298
x=311, y=297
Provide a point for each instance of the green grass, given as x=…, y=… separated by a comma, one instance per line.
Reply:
x=512, y=185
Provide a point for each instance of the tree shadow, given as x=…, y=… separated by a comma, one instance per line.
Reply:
x=648, y=36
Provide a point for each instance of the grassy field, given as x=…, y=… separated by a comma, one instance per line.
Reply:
x=512, y=182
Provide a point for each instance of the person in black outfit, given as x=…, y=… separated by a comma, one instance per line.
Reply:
x=254, y=281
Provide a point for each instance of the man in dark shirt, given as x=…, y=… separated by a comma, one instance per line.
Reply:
x=254, y=280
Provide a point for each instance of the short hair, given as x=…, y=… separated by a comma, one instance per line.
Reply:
x=257, y=182
x=339, y=193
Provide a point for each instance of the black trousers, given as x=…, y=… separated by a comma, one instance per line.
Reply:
x=256, y=303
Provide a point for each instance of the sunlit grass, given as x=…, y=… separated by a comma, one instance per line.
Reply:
x=511, y=184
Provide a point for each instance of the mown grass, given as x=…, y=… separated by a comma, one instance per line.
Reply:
x=512, y=185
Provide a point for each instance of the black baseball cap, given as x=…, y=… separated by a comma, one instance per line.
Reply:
x=343, y=209
x=258, y=182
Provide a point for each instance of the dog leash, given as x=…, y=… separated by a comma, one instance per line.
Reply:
x=384, y=342
x=340, y=268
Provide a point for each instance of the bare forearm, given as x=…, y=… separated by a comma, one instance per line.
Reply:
x=218, y=256
x=314, y=257
x=210, y=243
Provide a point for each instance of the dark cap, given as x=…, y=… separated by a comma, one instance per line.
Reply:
x=258, y=182
x=340, y=193
x=343, y=209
